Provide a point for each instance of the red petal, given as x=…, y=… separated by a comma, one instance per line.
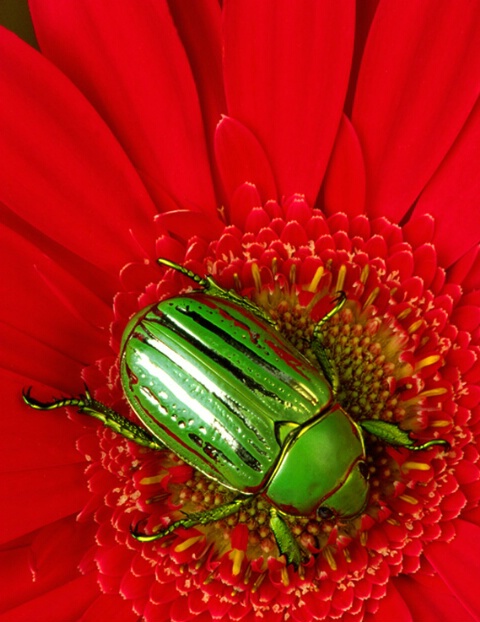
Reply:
x=429, y=598
x=281, y=60
x=363, y=16
x=42, y=561
x=467, y=317
x=130, y=63
x=185, y=224
x=417, y=85
x=62, y=171
x=467, y=270
x=36, y=362
x=109, y=607
x=452, y=196
x=54, y=492
x=67, y=602
x=199, y=26
x=31, y=307
x=345, y=177
x=241, y=159
x=392, y=608
x=458, y=564
x=244, y=200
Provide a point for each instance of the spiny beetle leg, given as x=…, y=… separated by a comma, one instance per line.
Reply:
x=287, y=545
x=192, y=520
x=326, y=365
x=317, y=346
x=340, y=300
x=391, y=434
x=109, y=417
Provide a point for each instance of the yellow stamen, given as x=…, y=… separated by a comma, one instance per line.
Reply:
x=416, y=466
x=285, y=579
x=155, y=479
x=371, y=298
x=440, y=423
x=258, y=582
x=236, y=555
x=342, y=273
x=409, y=499
x=327, y=553
x=316, y=280
x=293, y=274
x=415, y=326
x=428, y=360
x=405, y=313
x=256, y=277
x=365, y=273
x=433, y=392
x=346, y=554
x=186, y=544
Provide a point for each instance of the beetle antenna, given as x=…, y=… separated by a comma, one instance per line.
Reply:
x=203, y=282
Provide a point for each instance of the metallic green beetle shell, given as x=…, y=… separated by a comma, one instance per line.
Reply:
x=226, y=391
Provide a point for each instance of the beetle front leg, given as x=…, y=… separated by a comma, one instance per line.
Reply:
x=192, y=520
x=287, y=545
x=318, y=349
x=109, y=417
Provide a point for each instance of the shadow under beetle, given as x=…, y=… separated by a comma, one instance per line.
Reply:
x=212, y=379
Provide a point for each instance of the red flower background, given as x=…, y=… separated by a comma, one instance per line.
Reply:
x=291, y=150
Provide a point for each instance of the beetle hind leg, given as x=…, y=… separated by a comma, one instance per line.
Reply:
x=109, y=417
x=192, y=520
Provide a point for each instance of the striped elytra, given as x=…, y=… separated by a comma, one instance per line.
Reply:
x=219, y=386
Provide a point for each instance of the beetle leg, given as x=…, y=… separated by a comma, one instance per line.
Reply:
x=287, y=545
x=318, y=349
x=191, y=520
x=340, y=300
x=326, y=365
x=109, y=417
x=391, y=434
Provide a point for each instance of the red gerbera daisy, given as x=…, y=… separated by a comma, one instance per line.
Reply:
x=290, y=150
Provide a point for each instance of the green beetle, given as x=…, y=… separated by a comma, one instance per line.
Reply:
x=212, y=379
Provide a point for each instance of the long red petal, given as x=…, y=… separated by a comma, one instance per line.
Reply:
x=428, y=598
x=35, y=309
x=61, y=168
x=458, y=564
x=345, y=177
x=129, y=61
x=54, y=492
x=42, y=561
x=392, y=607
x=200, y=28
x=418, y=82
x=241, y=159
x=453, y=195
x=64, y=603
x=286, y=72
